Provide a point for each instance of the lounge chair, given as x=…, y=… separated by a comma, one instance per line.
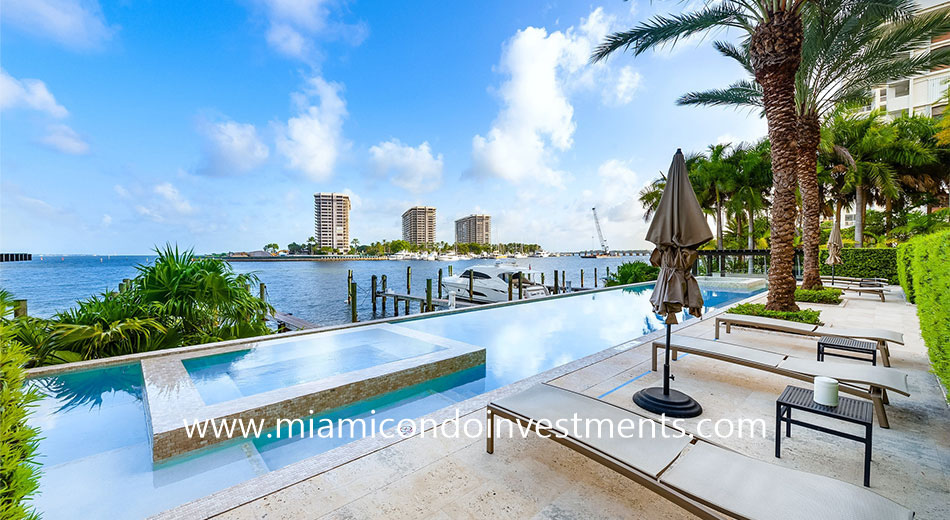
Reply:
x=869, y=382
x=702, y=477
x=879, y=336
x=860, y=289
x=849, y=280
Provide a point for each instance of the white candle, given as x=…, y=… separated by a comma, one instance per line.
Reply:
x=826, y=391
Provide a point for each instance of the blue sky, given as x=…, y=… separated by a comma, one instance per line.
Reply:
x=211, y=124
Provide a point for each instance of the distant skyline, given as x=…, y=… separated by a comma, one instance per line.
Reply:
x=125, y=125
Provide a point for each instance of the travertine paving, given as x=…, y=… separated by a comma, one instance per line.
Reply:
x=427, y=477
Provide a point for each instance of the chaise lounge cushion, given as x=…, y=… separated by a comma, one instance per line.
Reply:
x=751, y=488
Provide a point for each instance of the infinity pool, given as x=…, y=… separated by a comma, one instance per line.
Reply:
x=95, y=449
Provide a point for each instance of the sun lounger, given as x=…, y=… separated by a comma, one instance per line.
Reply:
x=869, y=382
x=849, y=280
x=706, y=479
x=860, y=289
x=880, y=336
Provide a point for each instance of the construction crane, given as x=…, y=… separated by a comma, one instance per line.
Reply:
x=600, y=234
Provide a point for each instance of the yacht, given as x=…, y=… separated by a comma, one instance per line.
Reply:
x=402, y=255
x=490, y=283
x=448, y=257
x=540, y=254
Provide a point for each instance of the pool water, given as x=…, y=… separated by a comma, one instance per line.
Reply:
x=95, y=452
x=223, y=377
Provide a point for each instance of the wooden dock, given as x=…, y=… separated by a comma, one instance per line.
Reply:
x=291, y=322
x=460, y=303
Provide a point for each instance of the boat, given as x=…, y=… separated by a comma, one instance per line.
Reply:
x=490, y=283
x=540, y=254
x=448, y=257
x=402, y=255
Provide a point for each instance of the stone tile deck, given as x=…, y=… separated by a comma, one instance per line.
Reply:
x=426, y=477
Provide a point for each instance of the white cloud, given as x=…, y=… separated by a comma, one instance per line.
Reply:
x=293, y=25
x=65, y=139
x=231, y=148
x=150, y=213
x=106, y=220
x=625, y=84
x=28, y=93
x=414, y=169
x=171, y=198
x=121, y=191
x=537, y=118
x=313, y=140
x=72, y=23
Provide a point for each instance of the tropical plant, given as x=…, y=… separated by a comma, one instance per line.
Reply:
x=773, y=33
x=849, y=47
x=271, y=248
x=632, y=272
x=19, y=469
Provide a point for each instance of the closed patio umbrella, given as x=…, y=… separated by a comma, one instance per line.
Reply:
x=679, y=227
x=834, y=249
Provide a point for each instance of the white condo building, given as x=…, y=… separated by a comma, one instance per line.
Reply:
x=331, y=220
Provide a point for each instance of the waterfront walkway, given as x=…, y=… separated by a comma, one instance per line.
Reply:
x=443, y=478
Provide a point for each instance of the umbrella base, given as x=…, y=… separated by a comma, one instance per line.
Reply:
x=676, y=404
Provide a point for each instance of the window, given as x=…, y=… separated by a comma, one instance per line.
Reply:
x=478, y=275
x=901, y=89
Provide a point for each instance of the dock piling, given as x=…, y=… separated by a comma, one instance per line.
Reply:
x=373, y=284
x=582, y=278
x=450, y=269
x=429, y=307
x=555, y=281
x=353, y=301
x=563, y=280
x=520, y=286
x=471, y=285
x=510, y=282
x=440, y=283
x=19, y=308
x=408, y=285
x=349, y=281
x=384, y=292
x=263, y=291
x=595, y=277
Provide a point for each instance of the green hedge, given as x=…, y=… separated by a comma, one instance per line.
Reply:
x=19, y=471
x=758, y=309
x=905, y=253
x=829, y=295
x=864, y=263
x=930, y=272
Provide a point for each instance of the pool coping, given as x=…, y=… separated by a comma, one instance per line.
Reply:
x=172, y=400
x=271, y=482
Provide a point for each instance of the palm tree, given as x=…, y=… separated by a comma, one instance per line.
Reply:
x=774, y=40
x=713, y=178
x=870, y=152
x=753, y=179
x=848, y=48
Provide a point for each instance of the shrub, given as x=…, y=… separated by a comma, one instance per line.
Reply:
x=758, y=309
x=905, y=253
x=864, y=263
x=930, y=266
x=828, y=295
x=19, y=471
x=632, y=272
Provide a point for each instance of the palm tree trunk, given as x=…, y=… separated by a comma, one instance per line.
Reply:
x=859, y=216
x=751, y=242
x=888, y=204
x=809, y=137
x=719, y=230
x=775, y=49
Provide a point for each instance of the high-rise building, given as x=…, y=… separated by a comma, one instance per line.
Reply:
x=418, y=225
x=923, y=94
x=331, y=220
x=473, y=229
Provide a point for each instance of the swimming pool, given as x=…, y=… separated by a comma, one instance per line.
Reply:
x=95, y=449
x=232, y=375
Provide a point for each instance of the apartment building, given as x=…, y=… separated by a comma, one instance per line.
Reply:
x=473, y=229
x=924, y=94
x=331, y=220
x=418, y=225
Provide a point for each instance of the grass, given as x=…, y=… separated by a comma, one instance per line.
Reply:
x=828, y=295
x=758, y=309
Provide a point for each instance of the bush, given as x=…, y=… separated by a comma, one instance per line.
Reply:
x=19, y=471
x=905, y=253
x=632, y=272
x=758, y=309
x=930, y=272
x=864, y=263
x=829, y=295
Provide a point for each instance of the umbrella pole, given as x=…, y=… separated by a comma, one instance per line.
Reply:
x=666, y=364
x=832, y=274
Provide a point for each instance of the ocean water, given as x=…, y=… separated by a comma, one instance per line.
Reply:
x=314, y=291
